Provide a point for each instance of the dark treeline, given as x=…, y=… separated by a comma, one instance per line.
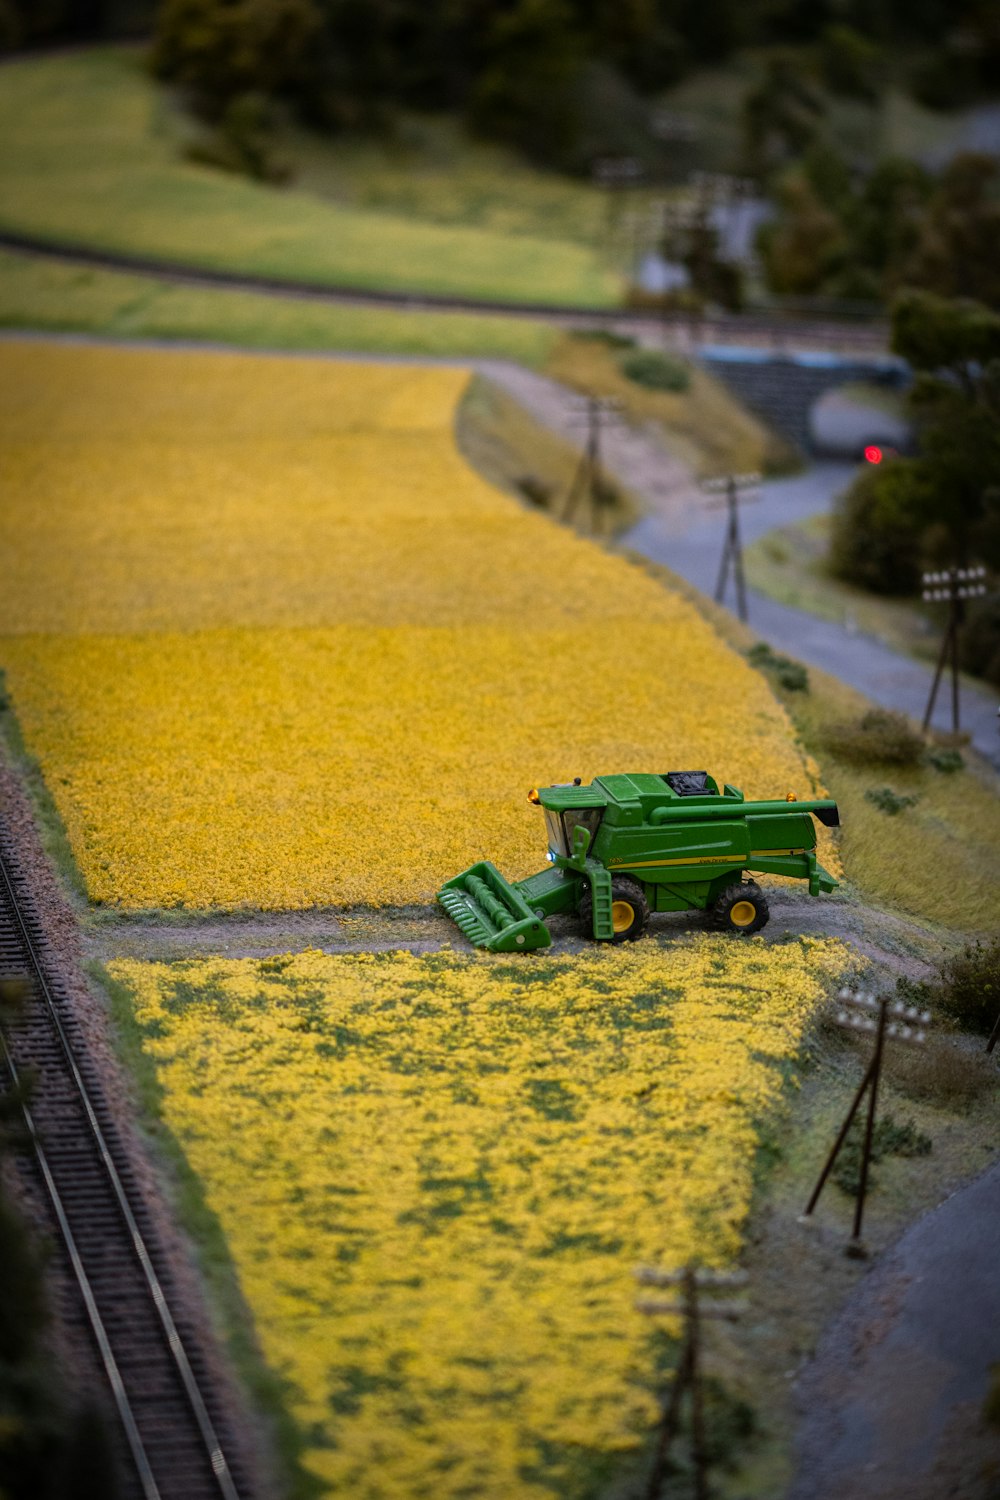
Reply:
x=561, y=79
x=42, y=23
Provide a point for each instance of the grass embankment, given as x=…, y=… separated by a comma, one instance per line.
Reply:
x=789, y=564
x=938, y=860
x=503, y=442
x=704, y=426
x=91, y=156
x=57, y=296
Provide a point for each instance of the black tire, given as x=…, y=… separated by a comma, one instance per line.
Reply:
x=624, y=893
x=740, y=910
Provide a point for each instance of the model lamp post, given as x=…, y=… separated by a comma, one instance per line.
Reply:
x=952, y=587
x=735, y=488
x=687, y=1304
x=886, y=1020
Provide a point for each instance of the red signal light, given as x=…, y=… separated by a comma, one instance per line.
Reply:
x=873, y=455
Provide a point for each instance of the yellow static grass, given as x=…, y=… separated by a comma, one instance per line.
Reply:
x=274, y=643
x=435, y=1176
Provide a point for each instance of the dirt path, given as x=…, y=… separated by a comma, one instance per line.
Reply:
x=887, y=941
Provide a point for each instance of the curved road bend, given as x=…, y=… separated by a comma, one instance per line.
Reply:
x=684, y=534
x=693, y=547
x=891, y=1404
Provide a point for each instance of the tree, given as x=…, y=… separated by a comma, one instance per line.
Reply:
x=805, y=243
x=956, y=252
x=781, y=114
x=218, y=50
x=943, y=507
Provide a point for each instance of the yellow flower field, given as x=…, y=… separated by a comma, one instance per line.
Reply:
x=436, y=1174
x=275, y=644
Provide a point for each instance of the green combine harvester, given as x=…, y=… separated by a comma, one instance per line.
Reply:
x=628, y=845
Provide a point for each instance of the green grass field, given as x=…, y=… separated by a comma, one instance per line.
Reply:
x=57, y=296
x=92, y=155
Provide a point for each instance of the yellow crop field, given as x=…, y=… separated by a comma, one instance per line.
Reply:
x=435, y=1175
x=274, y=644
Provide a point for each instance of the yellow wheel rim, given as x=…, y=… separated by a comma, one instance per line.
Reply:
x=622, y=915
x=742, y=913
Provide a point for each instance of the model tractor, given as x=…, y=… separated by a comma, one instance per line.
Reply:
x=625, y=846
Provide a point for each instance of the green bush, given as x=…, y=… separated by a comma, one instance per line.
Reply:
x=941, y=758
x=969, y=990
x=879, y=737
x=791, y=675
x=606, y=336
x=655, y=371
x=878, y=525
x=888, y=1139
x=981, y=639
x=888, y=801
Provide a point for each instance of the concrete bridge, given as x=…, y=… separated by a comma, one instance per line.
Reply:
x=782, y=388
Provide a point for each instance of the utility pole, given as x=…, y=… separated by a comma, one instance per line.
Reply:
x=690, y=1282
x=598, y=413
x=615, y=174
x=907, y=1026
x=733, y=486
x=953, y=587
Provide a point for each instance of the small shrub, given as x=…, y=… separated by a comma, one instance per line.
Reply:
x=970, y=986
x=943, y=1072
x=980, y=639
x=879, y=737
x=606, y=336
x=888, y=1139
x=655, y=371
x=537, y=491
x=877, y=529
x=888, y=801
x=943, y=759
x=791, y=675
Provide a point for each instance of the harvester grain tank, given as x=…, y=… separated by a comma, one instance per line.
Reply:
x=627, y=845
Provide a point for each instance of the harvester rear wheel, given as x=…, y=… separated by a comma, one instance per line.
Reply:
x=741, y=909
x=629, y=910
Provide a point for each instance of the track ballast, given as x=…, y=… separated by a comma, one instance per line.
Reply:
x=158, y=1376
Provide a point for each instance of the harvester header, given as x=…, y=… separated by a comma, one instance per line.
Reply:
x=623, y=846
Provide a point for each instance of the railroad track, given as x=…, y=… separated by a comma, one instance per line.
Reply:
x=755, y=330
x=158, y=1377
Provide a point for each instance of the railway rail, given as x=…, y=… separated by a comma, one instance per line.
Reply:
x=755, y=330
x=158, y=1373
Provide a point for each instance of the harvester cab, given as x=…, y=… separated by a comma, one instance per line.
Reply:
x=627, y=845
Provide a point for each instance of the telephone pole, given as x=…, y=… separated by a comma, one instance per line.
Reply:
x=735, y=487
x=952, y=587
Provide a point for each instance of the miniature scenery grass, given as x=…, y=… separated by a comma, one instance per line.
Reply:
x=91, y=158
x=61, y=296
x=436, y=1174
x=274, y=644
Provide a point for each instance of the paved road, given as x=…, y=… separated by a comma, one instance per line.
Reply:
x=891, y=1404
x=691, y=544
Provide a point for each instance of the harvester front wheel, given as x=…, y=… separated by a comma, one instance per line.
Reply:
x=629, y=910
x=741, y=909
